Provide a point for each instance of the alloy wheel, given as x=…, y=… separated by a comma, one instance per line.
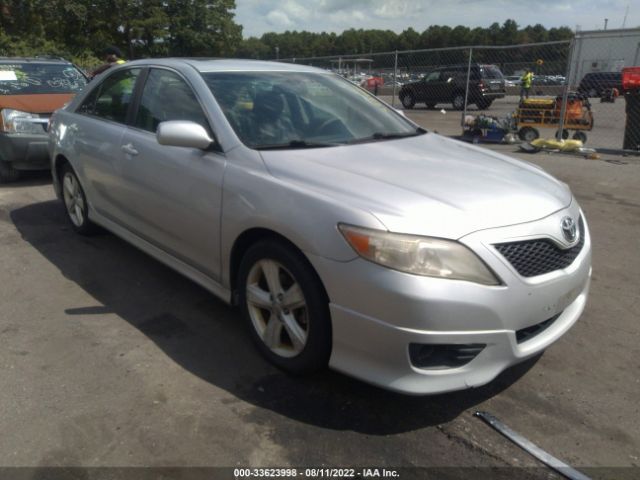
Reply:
x=277, y=308
x=73, y=199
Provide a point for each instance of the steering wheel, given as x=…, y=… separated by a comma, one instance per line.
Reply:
x=326, y=124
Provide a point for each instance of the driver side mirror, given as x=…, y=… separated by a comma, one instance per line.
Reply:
x=183, y=133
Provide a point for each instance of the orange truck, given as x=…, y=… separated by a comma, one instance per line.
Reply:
x=31, y=89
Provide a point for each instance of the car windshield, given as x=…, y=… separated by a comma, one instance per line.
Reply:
x=270, y=110
x=27, y=78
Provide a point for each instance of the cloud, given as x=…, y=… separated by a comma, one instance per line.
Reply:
x=278, y=19
x=261, y=16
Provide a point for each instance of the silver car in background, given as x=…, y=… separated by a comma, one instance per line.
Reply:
x=347, y=235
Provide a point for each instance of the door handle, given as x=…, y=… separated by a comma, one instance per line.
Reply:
x=129, y=149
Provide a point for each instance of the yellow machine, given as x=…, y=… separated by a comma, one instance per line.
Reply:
x=535, y=113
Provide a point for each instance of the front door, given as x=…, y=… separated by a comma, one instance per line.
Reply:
x=173, y=194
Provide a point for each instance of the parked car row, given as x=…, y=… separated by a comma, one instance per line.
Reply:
x=346, y=234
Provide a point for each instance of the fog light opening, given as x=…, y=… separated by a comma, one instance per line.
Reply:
x=442, y=356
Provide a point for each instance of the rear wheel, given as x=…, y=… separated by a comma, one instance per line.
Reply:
x=8, y=173
x=408, y=100
x=528, y=134
x=285, y=307
x=580, y=136
x=75, y=202
x=458, y=101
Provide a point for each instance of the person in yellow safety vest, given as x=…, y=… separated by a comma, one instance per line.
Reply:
x=525, y=83
x=112, y=56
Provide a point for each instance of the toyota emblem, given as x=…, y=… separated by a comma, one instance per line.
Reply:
x=569, y=229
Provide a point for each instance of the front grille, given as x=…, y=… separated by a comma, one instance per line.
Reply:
x=528, y=333
x=540, y=256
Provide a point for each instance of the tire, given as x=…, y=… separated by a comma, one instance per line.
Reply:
x=431, y=106
x=408, y=100
x=580, y=136
x=8, y=173
x=484, y=104
x=75, y=202
x=528, y=134
x=458, y=101
x=565, y=134
x=288, y=315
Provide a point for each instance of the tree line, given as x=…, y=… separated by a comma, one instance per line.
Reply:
x=294, y=44
x=81, y=29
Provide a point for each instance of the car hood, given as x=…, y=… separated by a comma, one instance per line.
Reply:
x=426, y=185
x=35, y=103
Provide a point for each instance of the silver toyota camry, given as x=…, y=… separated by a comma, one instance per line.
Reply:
x=346, y=234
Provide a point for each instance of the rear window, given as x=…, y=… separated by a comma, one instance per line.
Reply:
x=34, y=78
x=489, y=71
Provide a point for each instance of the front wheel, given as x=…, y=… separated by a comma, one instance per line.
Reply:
x=528, y=134
x=285, y=306
x=408, y=100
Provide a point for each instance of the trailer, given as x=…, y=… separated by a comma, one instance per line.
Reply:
x=535, y=113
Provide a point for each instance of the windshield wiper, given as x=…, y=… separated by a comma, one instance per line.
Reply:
x=296, y=144
x=389, y=136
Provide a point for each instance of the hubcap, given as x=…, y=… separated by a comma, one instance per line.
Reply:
x=73, y=199
x=277, y=308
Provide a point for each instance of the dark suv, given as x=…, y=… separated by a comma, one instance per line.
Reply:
x=448, y=84
x=596, y=83
x=31, y=89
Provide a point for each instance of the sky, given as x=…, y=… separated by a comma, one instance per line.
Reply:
x=261, y=16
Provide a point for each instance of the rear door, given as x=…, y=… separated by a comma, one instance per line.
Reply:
x=172, y=194
x=98, y=126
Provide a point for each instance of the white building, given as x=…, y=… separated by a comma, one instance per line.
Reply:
x=604, y=51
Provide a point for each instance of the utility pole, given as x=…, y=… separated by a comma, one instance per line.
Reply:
x=606, y=20
x=277, y=53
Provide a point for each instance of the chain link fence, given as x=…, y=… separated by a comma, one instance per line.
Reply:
x=482, y=89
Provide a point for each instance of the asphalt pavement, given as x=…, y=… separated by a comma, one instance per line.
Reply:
x=108, y=358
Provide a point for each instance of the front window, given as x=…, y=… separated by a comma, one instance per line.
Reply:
x=40, y=78
x=300, y=110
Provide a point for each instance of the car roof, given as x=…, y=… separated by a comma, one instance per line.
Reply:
x=204, y=65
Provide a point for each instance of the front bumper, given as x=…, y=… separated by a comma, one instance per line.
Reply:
x=25, y=152
x=377, y=313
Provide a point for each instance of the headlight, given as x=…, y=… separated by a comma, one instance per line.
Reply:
x=431, y=257
x=15, y=121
